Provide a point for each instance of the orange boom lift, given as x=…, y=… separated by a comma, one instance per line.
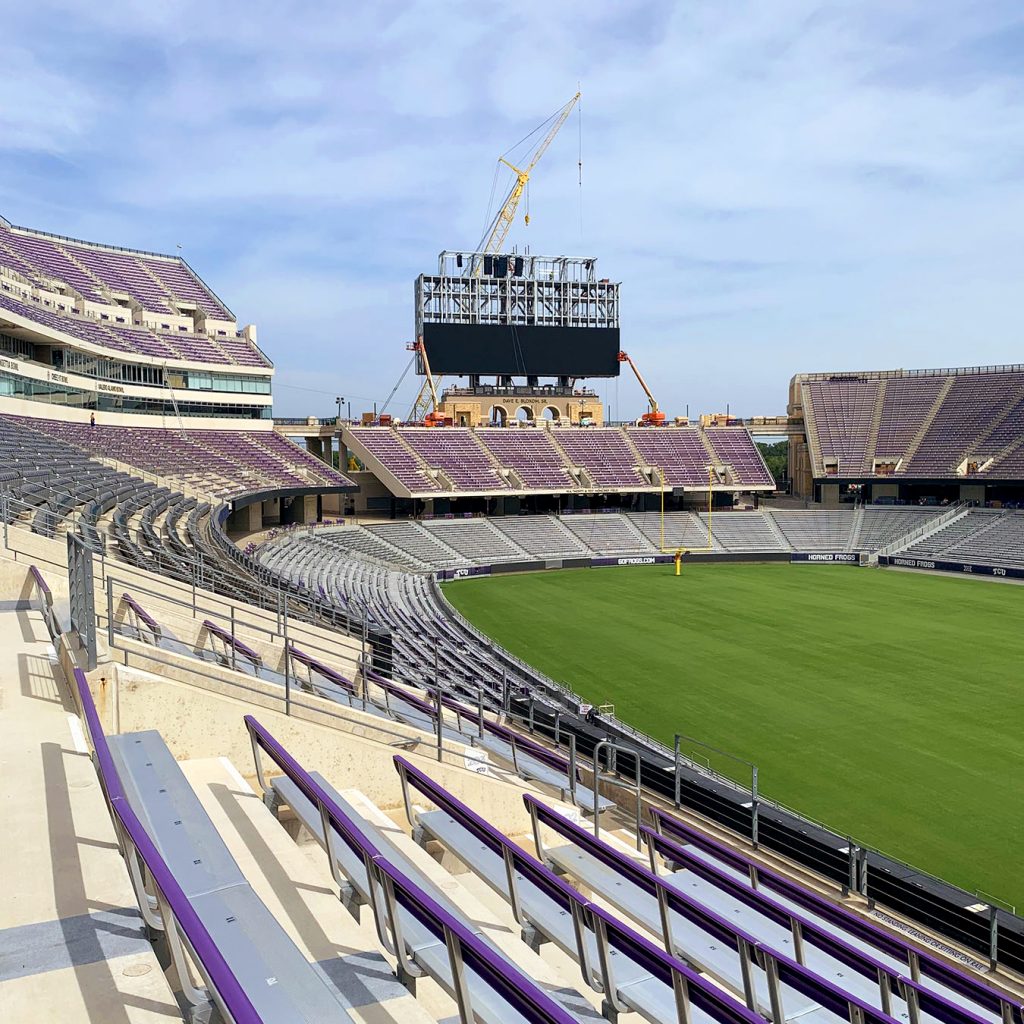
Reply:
x=655, y=417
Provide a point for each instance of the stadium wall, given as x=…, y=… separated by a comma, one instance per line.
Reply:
x=964, y=568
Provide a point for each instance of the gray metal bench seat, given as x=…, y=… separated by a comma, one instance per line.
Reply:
x=278, y=979
x=692, y=852
x=430, y=954
x=637, y=987
x=782, y=938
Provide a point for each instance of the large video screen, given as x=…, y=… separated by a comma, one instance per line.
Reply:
x=459, y=349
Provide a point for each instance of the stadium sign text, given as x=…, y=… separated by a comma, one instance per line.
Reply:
x=971, y=568
x=833, y=557
x=645, y=560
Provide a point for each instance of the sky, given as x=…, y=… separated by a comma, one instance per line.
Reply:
x=780, y=185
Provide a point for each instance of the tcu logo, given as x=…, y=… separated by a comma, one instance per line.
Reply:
x=459, y=573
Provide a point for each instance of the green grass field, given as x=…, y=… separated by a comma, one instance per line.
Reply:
x=888, y=705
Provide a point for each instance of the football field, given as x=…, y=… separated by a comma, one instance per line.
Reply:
x=888, y=705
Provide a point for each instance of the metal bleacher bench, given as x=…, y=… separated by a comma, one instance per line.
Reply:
x=429, y=953
x=278, y=979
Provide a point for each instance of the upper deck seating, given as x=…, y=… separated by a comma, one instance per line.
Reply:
x=843, y=408
x=457, y=453
x=918, y=424
x=678, y=452
x=735, y=447
x=219, y=461
x=603, y=452
x=531, y=454
x=383, y=444
x=960, y=424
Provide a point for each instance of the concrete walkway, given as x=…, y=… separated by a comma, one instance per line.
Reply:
x=72, y=946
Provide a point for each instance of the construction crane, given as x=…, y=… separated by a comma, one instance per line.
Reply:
x=654, y=418
x=432, y=418
x=497, y=230
x=422, y=404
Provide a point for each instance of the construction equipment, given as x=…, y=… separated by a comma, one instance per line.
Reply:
x=654, y=418
x=497, y=230
x=432, y=418
x=421, y=407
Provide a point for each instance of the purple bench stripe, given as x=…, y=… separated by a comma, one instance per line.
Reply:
x=651, y=957
x=514, y=986
x=328, y=673
x=931, y=966
x=217, y=970
x=862, y=963
x=790, y=972
x=232, y=641
x=141, y=612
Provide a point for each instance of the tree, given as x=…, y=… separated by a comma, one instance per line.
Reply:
x=776, y=457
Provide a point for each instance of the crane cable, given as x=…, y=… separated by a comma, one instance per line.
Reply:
x=579, y=155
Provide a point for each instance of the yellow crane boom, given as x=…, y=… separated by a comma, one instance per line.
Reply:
x=497, y=231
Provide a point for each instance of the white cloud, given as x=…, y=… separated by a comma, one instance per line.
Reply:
x=797, y=185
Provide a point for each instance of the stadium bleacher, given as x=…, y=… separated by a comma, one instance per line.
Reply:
x=923, y=424
x=488, y=459
x=218, y=462
x=531, y=454
x=604, y=453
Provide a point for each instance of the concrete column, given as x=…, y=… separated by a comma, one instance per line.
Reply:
x=254, y=512
x=972, y=492
x=308, y=508
x=830, y=495
x=315, y=447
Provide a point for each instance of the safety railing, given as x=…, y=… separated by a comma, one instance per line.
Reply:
x=43, y=594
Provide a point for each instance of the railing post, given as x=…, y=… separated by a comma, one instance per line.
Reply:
x=678, y=776
x=754, y=805
x=440, y=718
x=110, y=614
x=287, y=663
x=993, y=935
x=572, y=767
x=234, y=654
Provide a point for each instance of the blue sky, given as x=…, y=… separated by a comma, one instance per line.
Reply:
x=780, y=185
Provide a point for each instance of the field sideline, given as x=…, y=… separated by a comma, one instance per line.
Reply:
x=888, y=705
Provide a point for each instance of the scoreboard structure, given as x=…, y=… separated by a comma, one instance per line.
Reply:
x=518, y=316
